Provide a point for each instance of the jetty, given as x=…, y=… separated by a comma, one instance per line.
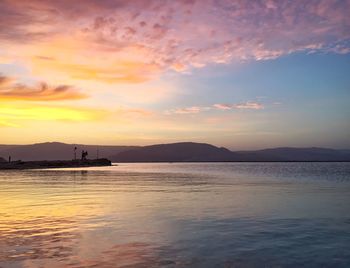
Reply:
x=55, y=164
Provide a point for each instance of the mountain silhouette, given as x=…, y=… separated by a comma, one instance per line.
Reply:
x=174, y=152
x=197, y=152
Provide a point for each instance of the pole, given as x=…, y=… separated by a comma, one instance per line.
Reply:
x=75, y=153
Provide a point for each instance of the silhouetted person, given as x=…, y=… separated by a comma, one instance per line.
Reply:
x=84, y=155
x=10, y=159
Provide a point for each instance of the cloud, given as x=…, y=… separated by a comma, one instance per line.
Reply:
x=222, y=106
x=133, y=112
x=10, y=90
x=117, y=41
x=188, y=110
x=249, y=105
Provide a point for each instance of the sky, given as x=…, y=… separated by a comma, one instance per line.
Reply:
x=233, y=73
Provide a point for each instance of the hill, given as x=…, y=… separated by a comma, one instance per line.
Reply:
x=175, y=152
x=196, y=152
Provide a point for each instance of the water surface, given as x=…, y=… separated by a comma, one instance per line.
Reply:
x=177, y=215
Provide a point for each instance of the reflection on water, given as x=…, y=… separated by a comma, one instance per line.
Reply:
x=177, y=215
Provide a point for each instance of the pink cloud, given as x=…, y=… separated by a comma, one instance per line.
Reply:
x=222, y=106
x=176, y=34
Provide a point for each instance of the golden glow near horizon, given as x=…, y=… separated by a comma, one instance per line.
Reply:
x=27, y=112
x=140, y=74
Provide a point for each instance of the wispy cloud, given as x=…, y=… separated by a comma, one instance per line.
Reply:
x=11, y=90
x=188, y=110
x=135, y=41
x=222, y=106
x=249, y=105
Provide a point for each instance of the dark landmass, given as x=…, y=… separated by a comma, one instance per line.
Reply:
x=199, y=152
x=2, y=160
x=175, y=152
x=55, y=164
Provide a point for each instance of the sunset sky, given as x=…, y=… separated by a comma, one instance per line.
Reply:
x=239, y=74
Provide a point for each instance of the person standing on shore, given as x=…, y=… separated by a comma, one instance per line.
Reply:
x=84, y=154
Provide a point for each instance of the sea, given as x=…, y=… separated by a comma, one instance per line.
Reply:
x=177, y=215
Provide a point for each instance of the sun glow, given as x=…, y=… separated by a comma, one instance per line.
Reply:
x=49, y=113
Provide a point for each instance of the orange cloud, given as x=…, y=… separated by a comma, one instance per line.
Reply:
x=120, y=72
x=83, y=59
x=9, y=90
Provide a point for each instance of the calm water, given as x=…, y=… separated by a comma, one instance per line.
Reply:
x=177, y=215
